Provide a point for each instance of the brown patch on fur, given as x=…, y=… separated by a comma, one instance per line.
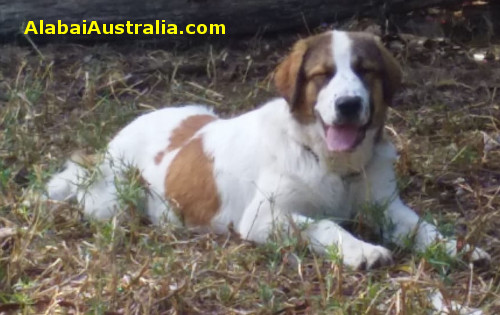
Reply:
x=303, y=73
x=190, y=185
x=379, y=70
x=392, y=73
x=377, y=100
x=185, y=131
x=370, y=57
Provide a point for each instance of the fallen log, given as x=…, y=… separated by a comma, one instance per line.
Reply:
x=239, y=17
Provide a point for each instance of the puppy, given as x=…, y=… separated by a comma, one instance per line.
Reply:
x=303, y=162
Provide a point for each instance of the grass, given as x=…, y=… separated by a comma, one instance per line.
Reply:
x=77, y=97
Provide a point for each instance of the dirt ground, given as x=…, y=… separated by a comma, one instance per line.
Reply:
x=58, y=98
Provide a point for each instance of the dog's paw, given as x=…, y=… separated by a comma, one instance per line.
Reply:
x=441, y=306
x=478, y=256
x=366, y=256
x=475, y=255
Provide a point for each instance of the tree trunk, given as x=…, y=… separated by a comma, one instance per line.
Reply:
x=239, y=17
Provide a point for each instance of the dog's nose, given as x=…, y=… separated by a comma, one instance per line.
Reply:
x=348, y=106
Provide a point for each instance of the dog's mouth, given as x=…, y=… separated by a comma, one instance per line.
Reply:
x=343, y=138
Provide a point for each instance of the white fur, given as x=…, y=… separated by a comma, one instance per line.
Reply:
x=344, y=83
x=270, y=171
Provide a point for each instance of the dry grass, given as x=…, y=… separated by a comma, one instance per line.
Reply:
x=446, y=125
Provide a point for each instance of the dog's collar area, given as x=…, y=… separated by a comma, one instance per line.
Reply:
x=354, y=175
x=310, y=151
x=351, y=176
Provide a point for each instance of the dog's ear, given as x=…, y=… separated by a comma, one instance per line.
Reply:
x=392, y=73
x=289, y=76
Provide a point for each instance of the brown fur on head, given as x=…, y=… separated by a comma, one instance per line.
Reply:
x=371, y=57
x=380, y=71
x=311, y=65
x=303, y=73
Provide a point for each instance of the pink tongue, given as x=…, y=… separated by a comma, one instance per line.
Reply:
x=341, y=138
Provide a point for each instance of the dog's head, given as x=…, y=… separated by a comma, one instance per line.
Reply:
x=346, y=80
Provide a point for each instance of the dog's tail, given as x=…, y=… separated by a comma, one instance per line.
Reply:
x=64, y=185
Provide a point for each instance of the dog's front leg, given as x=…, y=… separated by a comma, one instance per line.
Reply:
x=355, y=253
x=400, y=223
x=276, y=215
x=403, y=226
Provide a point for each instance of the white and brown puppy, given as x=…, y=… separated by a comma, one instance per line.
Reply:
x=307, y=160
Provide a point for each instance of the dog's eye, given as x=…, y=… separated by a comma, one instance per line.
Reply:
x=320, y=79
x=319, y=76
x=322, y=75
x=363, y=68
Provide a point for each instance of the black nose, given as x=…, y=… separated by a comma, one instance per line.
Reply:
x=348, y=106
